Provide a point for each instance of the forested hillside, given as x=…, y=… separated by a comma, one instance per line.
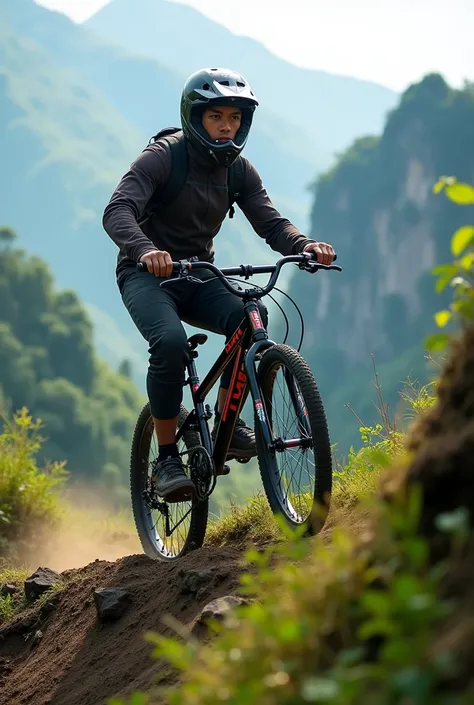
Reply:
x=377, y=207
x=48, y=364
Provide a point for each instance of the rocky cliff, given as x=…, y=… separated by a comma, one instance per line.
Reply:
x=378, y=209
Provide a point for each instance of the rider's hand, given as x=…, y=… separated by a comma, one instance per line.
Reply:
x=325, y=253
x=158, y=262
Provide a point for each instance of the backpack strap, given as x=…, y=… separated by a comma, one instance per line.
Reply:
x=235, y=183
x=163, y=197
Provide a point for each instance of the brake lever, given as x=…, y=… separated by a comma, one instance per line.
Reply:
x=336, y=267
x=313, y=267
x=180, y=277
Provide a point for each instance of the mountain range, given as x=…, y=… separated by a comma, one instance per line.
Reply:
x=78, y=103
x=325, y=111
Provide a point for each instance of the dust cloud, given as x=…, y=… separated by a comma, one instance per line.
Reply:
x=89, y=528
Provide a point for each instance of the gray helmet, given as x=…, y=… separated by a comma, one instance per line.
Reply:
x=209, y=87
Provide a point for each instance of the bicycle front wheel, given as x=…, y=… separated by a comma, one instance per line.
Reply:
x=296, y=470
x=167, y=531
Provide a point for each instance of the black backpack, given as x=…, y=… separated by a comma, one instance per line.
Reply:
x=164, y=196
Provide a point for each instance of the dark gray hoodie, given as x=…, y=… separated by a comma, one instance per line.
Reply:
x=188, y=226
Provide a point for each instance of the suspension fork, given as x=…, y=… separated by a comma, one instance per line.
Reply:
x=303, y=424
x=251, y=370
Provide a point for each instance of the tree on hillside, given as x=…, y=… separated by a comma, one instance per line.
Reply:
x=48, y=364
x=125, y=368
x=7, y=237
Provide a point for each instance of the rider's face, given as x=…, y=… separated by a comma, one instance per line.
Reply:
x=222, y=122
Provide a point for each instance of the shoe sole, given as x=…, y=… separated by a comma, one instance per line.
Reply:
x=181, y=492
x=233, y=454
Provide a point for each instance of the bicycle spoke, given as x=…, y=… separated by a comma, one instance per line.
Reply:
x=168, y=545
x=294, y=474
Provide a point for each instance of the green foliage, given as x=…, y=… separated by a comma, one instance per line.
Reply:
x=7, y=608
x=28, y=498
x=238, y=526
x=458, y=274
x=354, y=621
x=419, y=398
x=48, y=363
x=460, y=193
x=358, y=477
x=135, y=699
x=12, y=604
x=7, y=236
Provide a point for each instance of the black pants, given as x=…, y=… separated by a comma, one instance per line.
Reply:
x=158, y=312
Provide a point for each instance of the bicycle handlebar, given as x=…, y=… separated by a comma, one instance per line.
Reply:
x=306, y=261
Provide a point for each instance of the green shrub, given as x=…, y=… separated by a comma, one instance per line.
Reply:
x=251, y=523
x=28, y=495
x=459, y=274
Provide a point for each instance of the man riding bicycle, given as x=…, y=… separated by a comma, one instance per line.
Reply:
x=217, y=107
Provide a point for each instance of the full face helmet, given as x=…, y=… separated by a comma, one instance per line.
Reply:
x=209, y=88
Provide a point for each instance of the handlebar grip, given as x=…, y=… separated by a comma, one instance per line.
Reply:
x=141, y=267
x=314, y=256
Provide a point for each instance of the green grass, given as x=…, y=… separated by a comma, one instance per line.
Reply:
x=254, y=522
x=240, y=525
x=355, y=479
x=10, y=605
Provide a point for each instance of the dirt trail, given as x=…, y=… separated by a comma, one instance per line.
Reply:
x=80, y=661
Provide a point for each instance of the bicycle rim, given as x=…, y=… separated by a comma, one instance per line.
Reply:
x=296, y=475
x=187, y=520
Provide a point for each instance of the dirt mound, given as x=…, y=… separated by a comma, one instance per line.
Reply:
x=80, y=660
x=442, y=444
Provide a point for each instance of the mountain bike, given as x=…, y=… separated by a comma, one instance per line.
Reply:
x=290, y=425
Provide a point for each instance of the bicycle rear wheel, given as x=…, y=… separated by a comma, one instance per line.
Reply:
x=297, y=472
x=151, y=521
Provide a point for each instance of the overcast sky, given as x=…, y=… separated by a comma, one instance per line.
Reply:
x=393, y=42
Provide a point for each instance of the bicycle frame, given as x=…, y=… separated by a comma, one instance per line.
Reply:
x=248, y=340
x=242, y=347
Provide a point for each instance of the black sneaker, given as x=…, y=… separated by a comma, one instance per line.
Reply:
x=242, y=444
x=170, y=480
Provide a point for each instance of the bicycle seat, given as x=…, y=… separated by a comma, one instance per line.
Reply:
x=197, y=339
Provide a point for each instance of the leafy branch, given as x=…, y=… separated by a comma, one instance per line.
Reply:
x=458, y=274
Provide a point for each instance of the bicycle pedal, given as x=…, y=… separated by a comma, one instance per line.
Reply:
x=225, y=470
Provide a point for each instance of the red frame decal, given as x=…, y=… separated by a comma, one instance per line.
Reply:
x=234, y=340
x=240, y=383
x=257, y=322
x=232, y=383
